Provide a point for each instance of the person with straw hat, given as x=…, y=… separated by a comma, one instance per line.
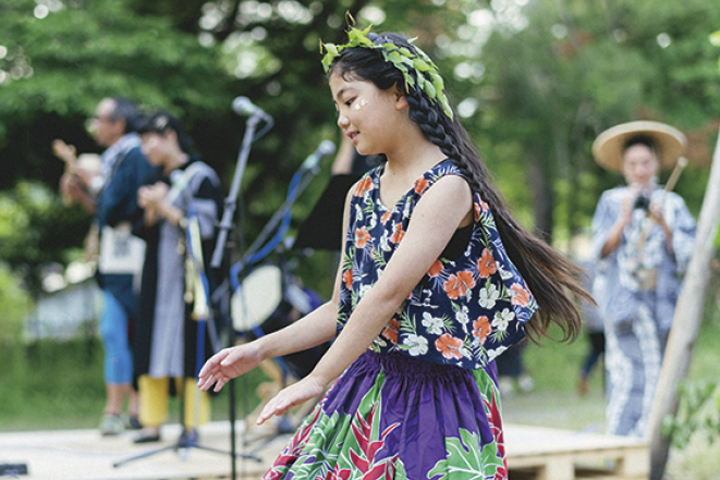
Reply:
x=643, y=237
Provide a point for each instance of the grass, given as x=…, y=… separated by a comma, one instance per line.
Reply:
x=58, y=385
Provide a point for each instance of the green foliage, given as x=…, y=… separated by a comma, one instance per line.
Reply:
x=698, y=412
x=14, y=304
x=36, y=230
x=578, y=67
x=537, y=82
x=715, y=40
x=59, y=67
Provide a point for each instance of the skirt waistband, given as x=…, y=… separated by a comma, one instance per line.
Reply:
x=397, y=364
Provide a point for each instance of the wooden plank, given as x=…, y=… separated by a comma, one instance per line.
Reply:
x=533, y=452
x=562, y=454
x=85, y=455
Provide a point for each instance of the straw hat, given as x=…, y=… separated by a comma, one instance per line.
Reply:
x=609, y=145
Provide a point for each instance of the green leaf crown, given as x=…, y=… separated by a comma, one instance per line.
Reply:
x=428, y=81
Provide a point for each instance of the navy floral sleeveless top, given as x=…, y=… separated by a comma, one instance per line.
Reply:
x=465, y=311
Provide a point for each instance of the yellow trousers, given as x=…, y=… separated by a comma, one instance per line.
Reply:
x=154, y=397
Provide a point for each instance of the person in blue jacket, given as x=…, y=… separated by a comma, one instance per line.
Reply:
x=111, y=195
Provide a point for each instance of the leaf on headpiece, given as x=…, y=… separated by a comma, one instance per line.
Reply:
x=437, y=82
x=421, y=65
x=446, y=106
x=358, y=37
x=409, y=80
x=430, y=89
x=394, y=57
x=327, y=61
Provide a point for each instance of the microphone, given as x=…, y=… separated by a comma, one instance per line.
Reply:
x=243, y=106
x=326, y=147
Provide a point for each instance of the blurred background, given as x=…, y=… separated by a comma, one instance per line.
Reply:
x=534, y=82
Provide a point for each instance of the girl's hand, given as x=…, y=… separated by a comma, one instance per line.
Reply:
x=296, y=394
x=228, y=363
x=655, y=212
x=153, y=195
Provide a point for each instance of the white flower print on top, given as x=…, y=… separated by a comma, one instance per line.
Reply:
x=417, y=345
x=503, y=319
x=433, y=325
x=462, y=316
x=488, y=296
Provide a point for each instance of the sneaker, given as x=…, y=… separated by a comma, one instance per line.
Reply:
x=111, y=424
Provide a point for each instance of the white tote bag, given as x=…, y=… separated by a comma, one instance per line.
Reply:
x=121, y=252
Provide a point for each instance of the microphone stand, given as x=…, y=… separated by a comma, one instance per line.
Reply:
x=257, y=252
x=220, y=250
x=281, y=212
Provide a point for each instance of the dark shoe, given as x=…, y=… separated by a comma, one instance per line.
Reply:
x=133, y=423
x=148, y=436
x=188, y=438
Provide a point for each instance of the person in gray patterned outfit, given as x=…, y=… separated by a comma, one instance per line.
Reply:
x=166, y=331
x=643, y=238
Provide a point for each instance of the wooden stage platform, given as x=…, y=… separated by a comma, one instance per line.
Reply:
x=533, y=453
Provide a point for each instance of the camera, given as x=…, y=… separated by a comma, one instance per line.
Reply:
x=642, y=202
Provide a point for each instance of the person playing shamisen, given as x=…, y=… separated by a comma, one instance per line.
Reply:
x=436, y=280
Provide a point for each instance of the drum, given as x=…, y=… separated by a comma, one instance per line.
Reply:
x=259, y=295
x=267, y=301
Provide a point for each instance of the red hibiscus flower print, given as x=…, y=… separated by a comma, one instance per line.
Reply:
x=521, y=296
x=486, y=264
x=482, y=328
x=363, y=186
x=386, y=216
x=421, y=184
x=480, y=207
x=347, y=278
x=449, y=346
x=392, y=330
x=398, y=234
x=436, y=269
x=456, y=286
x=362, y=236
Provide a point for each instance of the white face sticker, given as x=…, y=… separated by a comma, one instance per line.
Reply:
x=361, y=104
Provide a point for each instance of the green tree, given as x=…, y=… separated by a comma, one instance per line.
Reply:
x=571, y=69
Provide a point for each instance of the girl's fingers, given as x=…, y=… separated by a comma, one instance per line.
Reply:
x=272, y=409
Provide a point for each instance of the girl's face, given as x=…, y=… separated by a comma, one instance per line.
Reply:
x=156, y=148
x=639, y=165
x=366, y=114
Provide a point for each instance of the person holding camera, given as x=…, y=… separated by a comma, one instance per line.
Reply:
x=643, y=237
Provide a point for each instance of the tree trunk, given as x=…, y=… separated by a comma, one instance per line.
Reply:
x=686, y=323
x=541, y=194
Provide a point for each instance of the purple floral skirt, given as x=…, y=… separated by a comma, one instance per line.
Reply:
x=390, y=416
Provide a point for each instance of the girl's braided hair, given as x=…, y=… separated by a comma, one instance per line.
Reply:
x=553, y=279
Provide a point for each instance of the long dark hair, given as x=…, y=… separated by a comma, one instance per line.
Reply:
x=553, y=279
